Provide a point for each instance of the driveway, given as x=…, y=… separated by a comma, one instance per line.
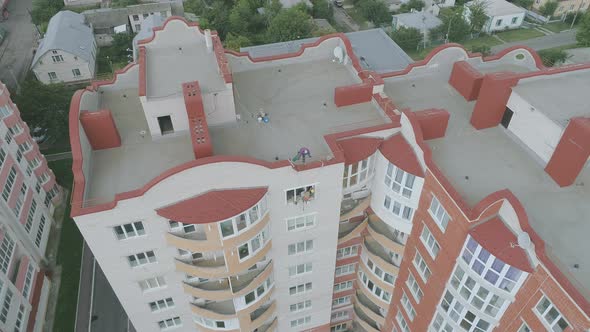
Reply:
x=16, y=52
x=541, y=43
x=342, y=18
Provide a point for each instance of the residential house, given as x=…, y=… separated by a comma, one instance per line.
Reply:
x=138, y=13
x=423, y=21
x=434, y=6
x=502, y=15
x=81, y=3
x=565, y=6
x=67, y=52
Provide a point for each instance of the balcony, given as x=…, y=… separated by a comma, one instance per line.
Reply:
x=261, y=315
x=365, y=322
x=216, y=290
x=223, y=310
x=351, y=207
x=245, y=283
x=380, y=256
x=350, y=230
x=369, y=308
x=194, y=242
x=269, y=327
x=383, y=234
x=203, y=267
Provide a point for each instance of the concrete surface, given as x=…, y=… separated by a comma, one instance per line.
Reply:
x=16, y=52
x=578, y=55
x=544, y=42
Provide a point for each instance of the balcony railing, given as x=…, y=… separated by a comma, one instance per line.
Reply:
x=259, y=316
x=369, y=308
x=349, y=230
x=365, y=321
x=353, y=207
x=203, y=267
x=220, y=310
x=216, y=290
x=383, y=234
x=380, y=257
x=244, y=283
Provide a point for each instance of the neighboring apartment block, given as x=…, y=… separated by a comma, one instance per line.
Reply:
x=221, y=192
x=26, y=216
x=67, y=52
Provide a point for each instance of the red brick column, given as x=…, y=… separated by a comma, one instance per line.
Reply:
x=571, y=152
x=466, y=80
x=493, y=96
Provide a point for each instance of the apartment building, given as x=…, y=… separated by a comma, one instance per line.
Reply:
x=29, y=191
x=299, y=192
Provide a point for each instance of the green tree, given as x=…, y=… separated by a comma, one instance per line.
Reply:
x=407, y=7
x=375, y=11
x=407, y=38
x=485, y=50
x=552, y=57
x=124, y=3
x=548, y=8
x=216, y=18
x=272, y=9
x=289, y=24
x=244, y=18
x=235, y=42
x=45, y=106
x=477, y=15
x=524, y=3
x=583, y=34
x=322, y=9
x=454, y=28
x=196, y=7
x=43, y=10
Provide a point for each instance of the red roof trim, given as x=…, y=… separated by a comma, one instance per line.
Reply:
x=397, y=150
x=499, y=240
x=213, y=206
x=358, y=148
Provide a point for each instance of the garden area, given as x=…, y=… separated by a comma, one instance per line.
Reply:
x=519, y=34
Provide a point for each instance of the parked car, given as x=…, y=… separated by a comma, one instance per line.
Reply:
x=338, y=3
x=39, y=135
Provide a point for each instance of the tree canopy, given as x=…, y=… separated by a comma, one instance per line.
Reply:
x=407, y=7
x=548, y=8
x=583, y=34
x=477, y=15
x=289, y=24
x=375, y=11
x=43, y=10
x=407, y=38
x=454, y=25
x=552, y=57
x=322, y=9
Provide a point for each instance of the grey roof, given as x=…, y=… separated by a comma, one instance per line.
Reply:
x=147, y=28
x=106, y=17
x=499, y=8
x=67, y=32
x=373, y=47
x=418, y=20
x=147, y=8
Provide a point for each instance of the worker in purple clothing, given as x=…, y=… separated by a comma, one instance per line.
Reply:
x=304, y=152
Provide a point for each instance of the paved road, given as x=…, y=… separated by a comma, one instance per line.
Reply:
x=16, y=52
x=541, y=43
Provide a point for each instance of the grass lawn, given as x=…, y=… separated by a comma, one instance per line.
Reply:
x=484, y=40
x=420, y=54
x=69, y=255
x=557, y=26
x=519, y=34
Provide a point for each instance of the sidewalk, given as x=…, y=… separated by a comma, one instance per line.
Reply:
x=540, y=43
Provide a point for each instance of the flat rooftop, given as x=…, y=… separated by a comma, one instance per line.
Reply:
x=131, y=165
x=168, y=67
x=299, y=100
x=558, y=95
x=480, y=162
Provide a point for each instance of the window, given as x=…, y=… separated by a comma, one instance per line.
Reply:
x=421, y=266
x=524, y=328
x=439, y=214
x=492, y=269
x=344, y=270
x=19, y=318
x=401, y=321
x=347, y=252
x=243, y=221
x=40, y=232
x=52, y=76
x=388, y=278
x=162, y=304
x=300, y=247
x=141, y=258
x=460, y=314
x=414, y=288
x=429, y=242
x=300, y=289
x=299, y=269
x=408, y=306
x=57, y=58
x=19, y=200
x=6, y=250
x=169, y=323
x=514, y=19
x=397, y=208
x=136, y=17
x=19, y=155
x=346, y=285
x=550, y=316
x=341, y=301
x=380, y=293
x=499, y=22
x=28, y=281
x=477, y=295
x=145, y=15
x=137, y=27
x=399, y=181
x=130, y=230
x=300, y=195
x=300, y=306
x=178, y=226
x=259, y=292
x=8, y=137
x=340, y=315
x=301, y=222
x=5, y=111
x=254, y=245
x=76, y=72
x=2, y=157
x=339, y=327
x=358, y=172
x=6, y=305
x=151, y=283
x=301, y=321
x=38, y=186
x=216, y=324
x=439, y=324
x=9, y=183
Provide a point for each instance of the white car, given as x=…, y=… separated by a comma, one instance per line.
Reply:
x=39, y=135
